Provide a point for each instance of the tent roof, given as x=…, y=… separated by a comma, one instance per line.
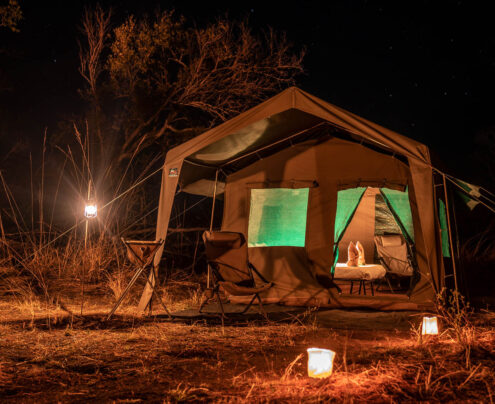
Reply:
x=288, y=112
x=291, y=113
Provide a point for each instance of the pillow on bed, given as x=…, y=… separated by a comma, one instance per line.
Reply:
x=361, y=259
x=352, y=255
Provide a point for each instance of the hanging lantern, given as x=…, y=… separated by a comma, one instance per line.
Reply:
x=320, y=362
x=90, y=209
x=430, y=326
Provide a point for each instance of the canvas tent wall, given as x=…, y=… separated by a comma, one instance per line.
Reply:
x=321, y=168
x=303, y=138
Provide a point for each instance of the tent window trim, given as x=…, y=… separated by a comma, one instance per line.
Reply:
x=373, y=183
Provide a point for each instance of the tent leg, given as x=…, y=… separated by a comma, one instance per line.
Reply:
x=211, y=224
x=450, y=242
x=460, y=265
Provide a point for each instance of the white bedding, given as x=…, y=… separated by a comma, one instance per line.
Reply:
x=364, y=272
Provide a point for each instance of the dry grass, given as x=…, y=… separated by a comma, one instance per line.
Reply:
x=48, y=355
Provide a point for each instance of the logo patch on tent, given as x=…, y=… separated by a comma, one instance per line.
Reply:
x=173, y=172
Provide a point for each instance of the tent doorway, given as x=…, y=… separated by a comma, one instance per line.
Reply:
x=381, y=220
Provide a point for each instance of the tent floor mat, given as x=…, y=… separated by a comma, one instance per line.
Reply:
x=326, y=318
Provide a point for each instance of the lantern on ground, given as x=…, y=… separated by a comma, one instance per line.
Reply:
x=430, y=326
x=90, y=209
x=320, y=362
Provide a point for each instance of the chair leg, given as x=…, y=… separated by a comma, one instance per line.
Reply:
x=352, y=284
x=262, y=309
x=203, y=303
x=364, y=287
x=223, y=316
x=372, y=291
x=360, y=286
x=220, y=303
x=207, y=295
x=249, y=305
x=154, y=292
x=389, y=285
x=126, y=291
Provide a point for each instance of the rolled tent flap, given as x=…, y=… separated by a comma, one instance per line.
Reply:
x=442, y=217
x=347, y=203
x=470, y=196
x=398, y=203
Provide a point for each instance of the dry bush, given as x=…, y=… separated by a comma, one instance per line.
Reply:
x=41, y=260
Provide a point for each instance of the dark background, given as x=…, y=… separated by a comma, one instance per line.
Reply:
x=422, y=68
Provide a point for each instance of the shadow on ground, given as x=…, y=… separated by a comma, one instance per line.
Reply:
x=324, y=318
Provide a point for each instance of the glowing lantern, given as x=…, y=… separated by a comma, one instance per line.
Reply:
x=90, y=210
x=430, y=326
x=320, y=362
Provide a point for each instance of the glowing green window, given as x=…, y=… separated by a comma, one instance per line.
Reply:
x=277, y=217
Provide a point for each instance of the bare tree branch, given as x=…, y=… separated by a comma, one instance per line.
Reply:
x=171, y=81
x=95, y=28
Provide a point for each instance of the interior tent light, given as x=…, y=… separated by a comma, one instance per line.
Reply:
x=430, y=326
x=90, y=209
x=320, y=362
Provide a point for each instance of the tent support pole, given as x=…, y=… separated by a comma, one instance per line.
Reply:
x=450, y=241
x=211, y=222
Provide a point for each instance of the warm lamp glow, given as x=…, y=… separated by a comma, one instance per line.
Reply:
x=90, y=210
x=430, y=326
x=320, y=362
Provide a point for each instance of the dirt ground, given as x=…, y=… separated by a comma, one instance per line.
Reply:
x=47, y=355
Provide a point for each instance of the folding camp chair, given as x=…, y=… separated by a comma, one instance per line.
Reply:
x=393, y=254
x=141, y=253
x=227, y=256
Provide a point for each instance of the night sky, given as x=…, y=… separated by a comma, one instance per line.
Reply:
x=423, y=68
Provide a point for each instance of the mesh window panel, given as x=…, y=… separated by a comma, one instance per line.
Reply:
x=277, y=217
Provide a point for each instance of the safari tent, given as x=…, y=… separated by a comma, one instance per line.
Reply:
x=291, y=173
